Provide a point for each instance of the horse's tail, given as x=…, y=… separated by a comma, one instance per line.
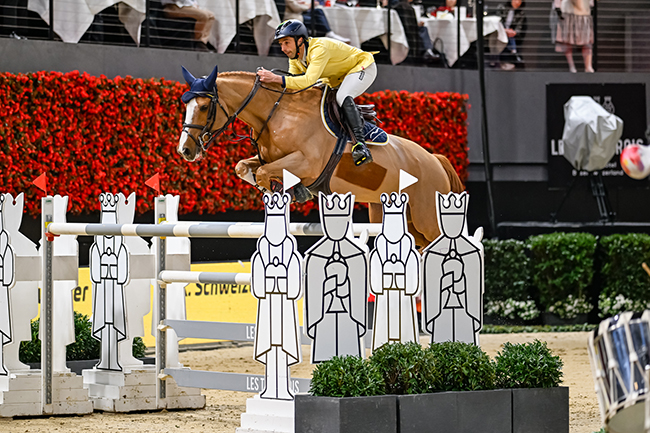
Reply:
x=456, y=185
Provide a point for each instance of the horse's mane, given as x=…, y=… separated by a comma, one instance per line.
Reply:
x=252, y=75
x=236, y=73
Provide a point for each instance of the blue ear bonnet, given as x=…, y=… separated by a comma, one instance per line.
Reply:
x=199, y=86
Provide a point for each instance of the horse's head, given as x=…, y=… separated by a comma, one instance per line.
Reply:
x=201, y=113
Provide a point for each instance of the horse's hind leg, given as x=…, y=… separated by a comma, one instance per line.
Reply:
x=420, y=240
x=375, y=213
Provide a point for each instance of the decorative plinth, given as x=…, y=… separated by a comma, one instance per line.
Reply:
x=69, y=395
x=266, y=416
x=20, y=394
x=181, y=397
x=135, y=390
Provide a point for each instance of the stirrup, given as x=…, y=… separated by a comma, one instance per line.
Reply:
x=361, y=154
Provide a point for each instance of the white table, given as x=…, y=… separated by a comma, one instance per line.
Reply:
x=264, y=14
x=360, y=24
x=446, y=30
x=72, y=18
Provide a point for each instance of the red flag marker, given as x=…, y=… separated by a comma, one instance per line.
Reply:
x=41, y=183
x=154, y=183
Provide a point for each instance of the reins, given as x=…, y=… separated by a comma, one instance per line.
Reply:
x=206, y=137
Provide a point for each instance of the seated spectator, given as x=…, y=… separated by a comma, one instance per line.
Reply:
x=449, y=7
x=10, y=14
x=514, y=20
x=190, y=9
x=301, y=10
x=420, y=46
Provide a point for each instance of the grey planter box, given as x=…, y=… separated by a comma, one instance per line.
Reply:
x=540, y=410
x=456, y=412
x=376, y=414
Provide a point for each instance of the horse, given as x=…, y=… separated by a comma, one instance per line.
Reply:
x=290, y=135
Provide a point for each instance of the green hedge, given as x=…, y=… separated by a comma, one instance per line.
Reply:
x=563, y=273
x=563, y=266
x=624, y=283
x=506, y=270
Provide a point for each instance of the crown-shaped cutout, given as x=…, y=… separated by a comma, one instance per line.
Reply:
x=452, y=203
x=276, y=204
x=395, y=203
x=109, y=201
x=336, y=204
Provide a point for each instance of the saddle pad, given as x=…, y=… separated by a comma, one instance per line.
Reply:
x=373, y=134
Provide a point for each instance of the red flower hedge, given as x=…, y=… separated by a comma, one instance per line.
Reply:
x=92, y=134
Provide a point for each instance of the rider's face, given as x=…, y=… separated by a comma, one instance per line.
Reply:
x=288, y=46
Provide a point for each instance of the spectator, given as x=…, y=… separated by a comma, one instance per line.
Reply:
x=420, y=46
x=301, y=10
x=190, y=9
x=575, y=28
x=514, y=20
x=449, y=7
x=11, y=12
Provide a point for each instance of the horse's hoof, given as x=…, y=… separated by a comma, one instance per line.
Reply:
x=276, y=186
x=300, y=193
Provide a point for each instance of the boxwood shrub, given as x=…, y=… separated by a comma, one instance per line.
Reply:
x=506, y=270
x=527, y=365
x=452, y=366
x=562, y=267
x=464, y=367
x=84, y=347
x=346, y=376
x=624, y=283
x=406, y=369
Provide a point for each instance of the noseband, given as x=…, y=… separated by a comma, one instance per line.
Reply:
x=207, y=136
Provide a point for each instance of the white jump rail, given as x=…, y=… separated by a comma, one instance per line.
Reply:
x=188, y=328
x=195, y=229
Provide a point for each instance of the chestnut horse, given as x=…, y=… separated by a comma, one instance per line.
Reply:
x=292, y=137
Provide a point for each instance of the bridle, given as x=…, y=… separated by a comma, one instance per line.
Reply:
x=206, y=137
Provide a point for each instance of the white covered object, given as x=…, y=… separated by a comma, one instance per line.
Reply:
x=590, y=133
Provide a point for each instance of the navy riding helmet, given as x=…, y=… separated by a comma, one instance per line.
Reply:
x=292, y=28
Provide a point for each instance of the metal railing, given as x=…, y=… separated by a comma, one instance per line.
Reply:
x=621, y=27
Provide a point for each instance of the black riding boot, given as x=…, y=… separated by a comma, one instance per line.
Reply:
x=360, y=152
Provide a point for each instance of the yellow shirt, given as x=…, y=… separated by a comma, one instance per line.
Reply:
x=328, y=60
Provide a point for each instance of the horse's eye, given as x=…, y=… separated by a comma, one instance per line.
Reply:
x=203, y=108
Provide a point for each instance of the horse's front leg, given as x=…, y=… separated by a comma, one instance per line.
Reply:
x=297, y=164
x=246, y=169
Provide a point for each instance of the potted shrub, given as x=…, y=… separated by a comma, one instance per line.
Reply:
x=463, y=367
x=80, y=355
x=533, y=373
x=457, y=382
x=347, y=396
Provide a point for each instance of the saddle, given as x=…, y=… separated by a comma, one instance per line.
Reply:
x=333, y=121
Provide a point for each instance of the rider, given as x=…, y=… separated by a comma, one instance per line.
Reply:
x=333, y=63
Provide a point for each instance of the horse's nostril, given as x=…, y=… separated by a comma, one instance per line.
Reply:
x=186, y=151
